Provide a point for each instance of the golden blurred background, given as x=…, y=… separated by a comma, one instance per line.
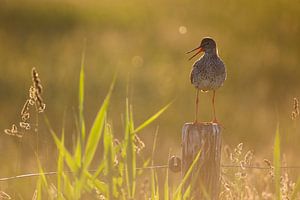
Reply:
x=145, y=43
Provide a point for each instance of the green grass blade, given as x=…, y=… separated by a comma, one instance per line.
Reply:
x=60, y=163
x=154, y=180
x=185, y=178
x=61, y=148
x=276, y=163
x=44, y=182
x=81, y=136
x=39, y=189
x=81, y=96
x=132, y=150
x=68, y=157
x=130, y=155
x=154, y=146
x=109, y=158
x=78, y=153
x=153, y=184
x=96, y=130
x=68, y=188
x=166, y=184
x=101, y=186
x=79, y=186
x=99, y=170
x=187, y=193
x=60, y=169
x=152, y=118
x=93, y=183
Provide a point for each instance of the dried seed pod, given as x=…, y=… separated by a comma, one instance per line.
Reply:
x=240, y=146
x=296, y=106
x=295, y=112
x=294, y=115
x=40, y=103
x=117, y=142
x=36, y=81
x=116, y=161
x=19, y=134
x=8, y=132
x=243, y=164
x=268, y=163
x=227, y=186
x=140, y=145
x=25, y=108
x=248, y=157
x=42, y=108
x=31, y=102
x=25, y=125
x=32, y=93
x=13, y=131
x=25, y=117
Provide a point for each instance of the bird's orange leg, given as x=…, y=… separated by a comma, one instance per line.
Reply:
x=197, y=101
x=214, y=110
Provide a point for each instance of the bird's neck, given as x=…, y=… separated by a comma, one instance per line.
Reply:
x=211, y=52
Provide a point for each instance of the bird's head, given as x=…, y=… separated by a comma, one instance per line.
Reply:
x=207, y=45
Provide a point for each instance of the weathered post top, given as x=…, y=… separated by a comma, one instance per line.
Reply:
x=205, y=177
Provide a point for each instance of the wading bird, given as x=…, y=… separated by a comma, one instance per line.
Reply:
x=208, y=73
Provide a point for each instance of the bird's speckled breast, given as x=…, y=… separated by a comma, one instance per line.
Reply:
x=208, y=73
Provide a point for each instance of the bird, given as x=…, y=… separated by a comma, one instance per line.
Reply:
x=208, y=72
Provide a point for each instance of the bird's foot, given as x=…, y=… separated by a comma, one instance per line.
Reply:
x=196, y=122
x=215, y=121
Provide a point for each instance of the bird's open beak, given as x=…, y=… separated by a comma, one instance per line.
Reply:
x=200, y=49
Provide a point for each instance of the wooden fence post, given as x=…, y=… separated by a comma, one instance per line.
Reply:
x=205, y=177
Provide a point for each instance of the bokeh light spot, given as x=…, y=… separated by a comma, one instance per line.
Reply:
x=137, y=61
x=182, y=30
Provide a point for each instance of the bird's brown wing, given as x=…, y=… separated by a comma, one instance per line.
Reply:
x=191, y=76
x=195, y=71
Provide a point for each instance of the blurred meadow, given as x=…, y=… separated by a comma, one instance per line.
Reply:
x=144, y=43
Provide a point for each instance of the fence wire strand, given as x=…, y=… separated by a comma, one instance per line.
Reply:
x=28, y=175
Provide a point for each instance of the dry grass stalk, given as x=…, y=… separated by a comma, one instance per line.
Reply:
x=34, y=197
x=4, y=195
x=35, y=99
x=240, y=183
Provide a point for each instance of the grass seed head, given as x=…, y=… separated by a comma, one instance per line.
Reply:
x=296, y=106
x=139, y=144
x=25, y=108
x=295, y=112
x=13, y=131
x=36, y=81
x=35, y=99
x=25, y=125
